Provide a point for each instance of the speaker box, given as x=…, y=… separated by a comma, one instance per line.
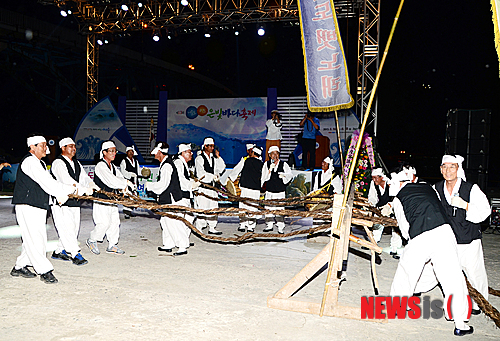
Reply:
x=476, y=162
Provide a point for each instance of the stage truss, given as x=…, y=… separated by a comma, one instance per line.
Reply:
x=98, y=18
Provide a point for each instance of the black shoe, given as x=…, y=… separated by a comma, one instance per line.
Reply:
x=460, y=332
x=396, y=256
x=24, y=272
x=79, y=260
x=180, y=253
x=62, y=256
x=215, y=232
x=127, y=216
x=475, y=311
x=48, y=278
x=161, y=248
x=191, y=244
x=241, y=229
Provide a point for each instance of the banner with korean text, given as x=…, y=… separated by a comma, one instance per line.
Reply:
x=232, y=122
x=326, y=76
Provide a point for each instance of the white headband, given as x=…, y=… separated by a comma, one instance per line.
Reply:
x=183, y=147
x=208, y=140
x=395, y=182
x=106, y=145
x=377, y=172
x=65, y=141
x=273, y=149
x=250, y=146
x=131, y=148
x=34, y=140
x=410, y=170
x=159, y=148
x=257, y=150
x=455, y=159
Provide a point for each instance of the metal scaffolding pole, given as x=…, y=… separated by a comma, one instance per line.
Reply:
x=92, y=70
x=368, y=57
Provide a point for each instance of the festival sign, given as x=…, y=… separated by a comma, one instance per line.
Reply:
x=325, y=67
x=232, y=122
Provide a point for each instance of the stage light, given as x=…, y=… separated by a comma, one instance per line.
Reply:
x=139, y=4
x=261, y=31
x=124, y=7
x=156, y=37
x=64, y=13
x=99, y=41
x=184, y=2
x=69, y=11
x=106, y=41
x=207, y=34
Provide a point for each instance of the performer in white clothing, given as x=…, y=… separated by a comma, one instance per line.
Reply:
x=69, y=171
x=130, y=170
x=466, y=206
x=273, y=137
x=324, y=177
x=276, y=175
x=34, y=184
x=106, y=216
x=423, y=221
x=168, y=190
x=251, y=174
x=209, y=165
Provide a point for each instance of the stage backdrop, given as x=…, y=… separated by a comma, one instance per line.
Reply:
x=101, y=123
x=347, y=125
x=232, y=122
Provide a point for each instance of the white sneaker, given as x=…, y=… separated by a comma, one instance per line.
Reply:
x=115, y=249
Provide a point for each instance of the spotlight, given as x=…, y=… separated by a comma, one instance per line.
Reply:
x=236, y=33
x=184, y=2
x=99, y=41
x=156, y=37
x=207, y=35
x=64, y=13
x=261, y=31
x=124, y=7
x=106, y=41
x=69, y=11
x=139, y=4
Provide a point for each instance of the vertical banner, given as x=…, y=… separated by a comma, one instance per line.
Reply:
x=495, y=8
x=326, y=76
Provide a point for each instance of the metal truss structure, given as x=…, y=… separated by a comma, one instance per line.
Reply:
x=368, y=57
x=101, y=17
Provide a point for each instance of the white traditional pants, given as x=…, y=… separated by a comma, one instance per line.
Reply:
x=472, y=261
x=31, y=220
x=271, y=218
x=249, y=221
x=203, y=203
x=67, y=223
x=175, y=233
x=440, y=247
x=107, y=222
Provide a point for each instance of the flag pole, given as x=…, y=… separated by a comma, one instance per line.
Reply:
x=339, y=141
x=355, y=157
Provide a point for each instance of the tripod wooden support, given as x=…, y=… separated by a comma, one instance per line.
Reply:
x=283, y=299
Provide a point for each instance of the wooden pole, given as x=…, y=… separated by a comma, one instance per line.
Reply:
x=358, y=145
x=339, y=141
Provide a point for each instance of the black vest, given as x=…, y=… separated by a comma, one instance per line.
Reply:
x=27, y=191
x=131, y=169
x=318, y=176
x=251, y=173
x=465, y=231
x=422, y=208
x=275, y=184
x=206, y=164
x=102, y=185
x=185, y=194
x=383, y=198
x=75, y=175
x=174, y=187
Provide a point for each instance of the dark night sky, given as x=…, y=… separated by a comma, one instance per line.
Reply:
x=442, y=56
